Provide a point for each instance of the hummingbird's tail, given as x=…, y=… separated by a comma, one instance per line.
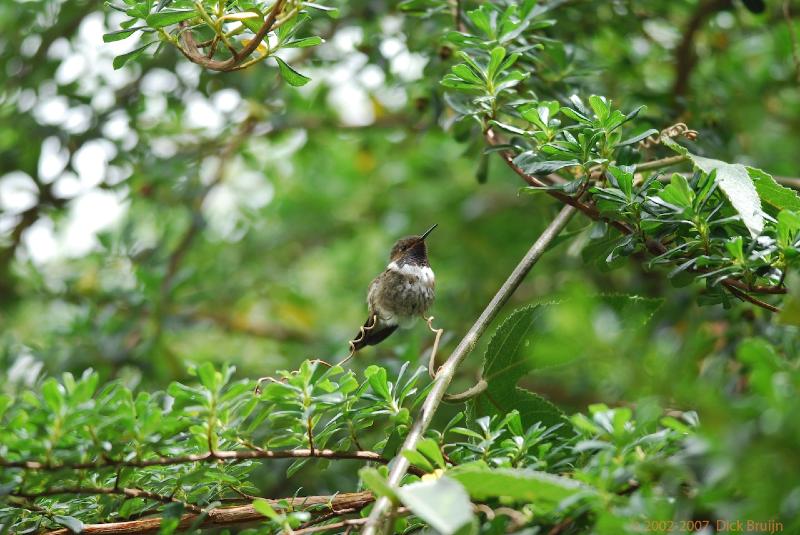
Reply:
x=373, y=332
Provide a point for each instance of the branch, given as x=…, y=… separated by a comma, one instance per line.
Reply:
x=197, y=223
x=663, y=162
x=192, y=52
x=734, y=289
x=128, y=492
x=590, y=211
x=685, y=55
x=224, y=455
x=228, y=515
x=446, y=373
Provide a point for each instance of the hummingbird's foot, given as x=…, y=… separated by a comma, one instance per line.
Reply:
x=432, y=371
x=349, y=356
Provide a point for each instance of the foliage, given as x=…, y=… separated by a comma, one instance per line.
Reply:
x=88, y=454
x=185, y=185
x=698, y=227
x=250, y=31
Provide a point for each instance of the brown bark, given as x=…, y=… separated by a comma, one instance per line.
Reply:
x=228, y=516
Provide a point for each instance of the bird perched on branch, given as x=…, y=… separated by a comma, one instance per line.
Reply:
x=399, y=295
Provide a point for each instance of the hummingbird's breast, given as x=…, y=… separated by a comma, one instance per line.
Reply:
x=402, y=293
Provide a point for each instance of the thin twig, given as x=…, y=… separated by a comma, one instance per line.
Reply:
x=663, y=162
x=128, y=492
x=192, y=52
x=223, y=455
x=685, y=55
x=536, y=182
x=446, y=373
x=328, y=527
x=728, y=283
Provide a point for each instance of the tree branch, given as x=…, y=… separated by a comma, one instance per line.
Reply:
x=590, y=211
x=128, y=492
x=685, y=55
x=446, y=373
x=223, y=455
x=197, y=223
x=192, y=52
x=663, y=162
x=228, y=515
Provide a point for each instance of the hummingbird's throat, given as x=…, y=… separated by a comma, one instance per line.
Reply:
x=417, y=254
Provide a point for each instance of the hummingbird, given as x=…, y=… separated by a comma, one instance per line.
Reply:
x=399, y=295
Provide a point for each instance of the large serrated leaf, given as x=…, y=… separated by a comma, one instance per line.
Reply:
x=554, y=337
x=504, y=367
x=442, y=503
x=518, y=485
x=735, y=182
x=772, y=193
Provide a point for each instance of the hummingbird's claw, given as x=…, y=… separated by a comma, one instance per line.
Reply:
x=432, y=360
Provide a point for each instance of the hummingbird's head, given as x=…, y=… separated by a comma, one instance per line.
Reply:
x=411, y=250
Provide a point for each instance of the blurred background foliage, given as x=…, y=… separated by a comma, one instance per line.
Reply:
x=161, y=214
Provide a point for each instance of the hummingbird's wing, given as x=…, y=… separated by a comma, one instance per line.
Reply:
x=379, y=325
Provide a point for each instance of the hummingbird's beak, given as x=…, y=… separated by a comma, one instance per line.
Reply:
x=425, y=234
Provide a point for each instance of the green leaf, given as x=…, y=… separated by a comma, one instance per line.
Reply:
x=378, y=381
x=418, y=460
x=735, y=182
x=788, y=225
x=333, y=12
x=53, y=397
x=575, y=115
x=209, y=377
x=167, y=18
x=637, y=138
x=304, y=42
x=119, y=35
x=262, y=506
x=504, y=366
x=442, y=503
x=624, y=179
x=377, y=483
x=529, y=486
x=430, y=449
x=291, y=76
x=599, y=107
x=772, y=193
x=121, y=60
x=496, y=58
x=678, y=192
x=735, y=247
x=465, y=73
x=531, y=163
x=69, y=522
